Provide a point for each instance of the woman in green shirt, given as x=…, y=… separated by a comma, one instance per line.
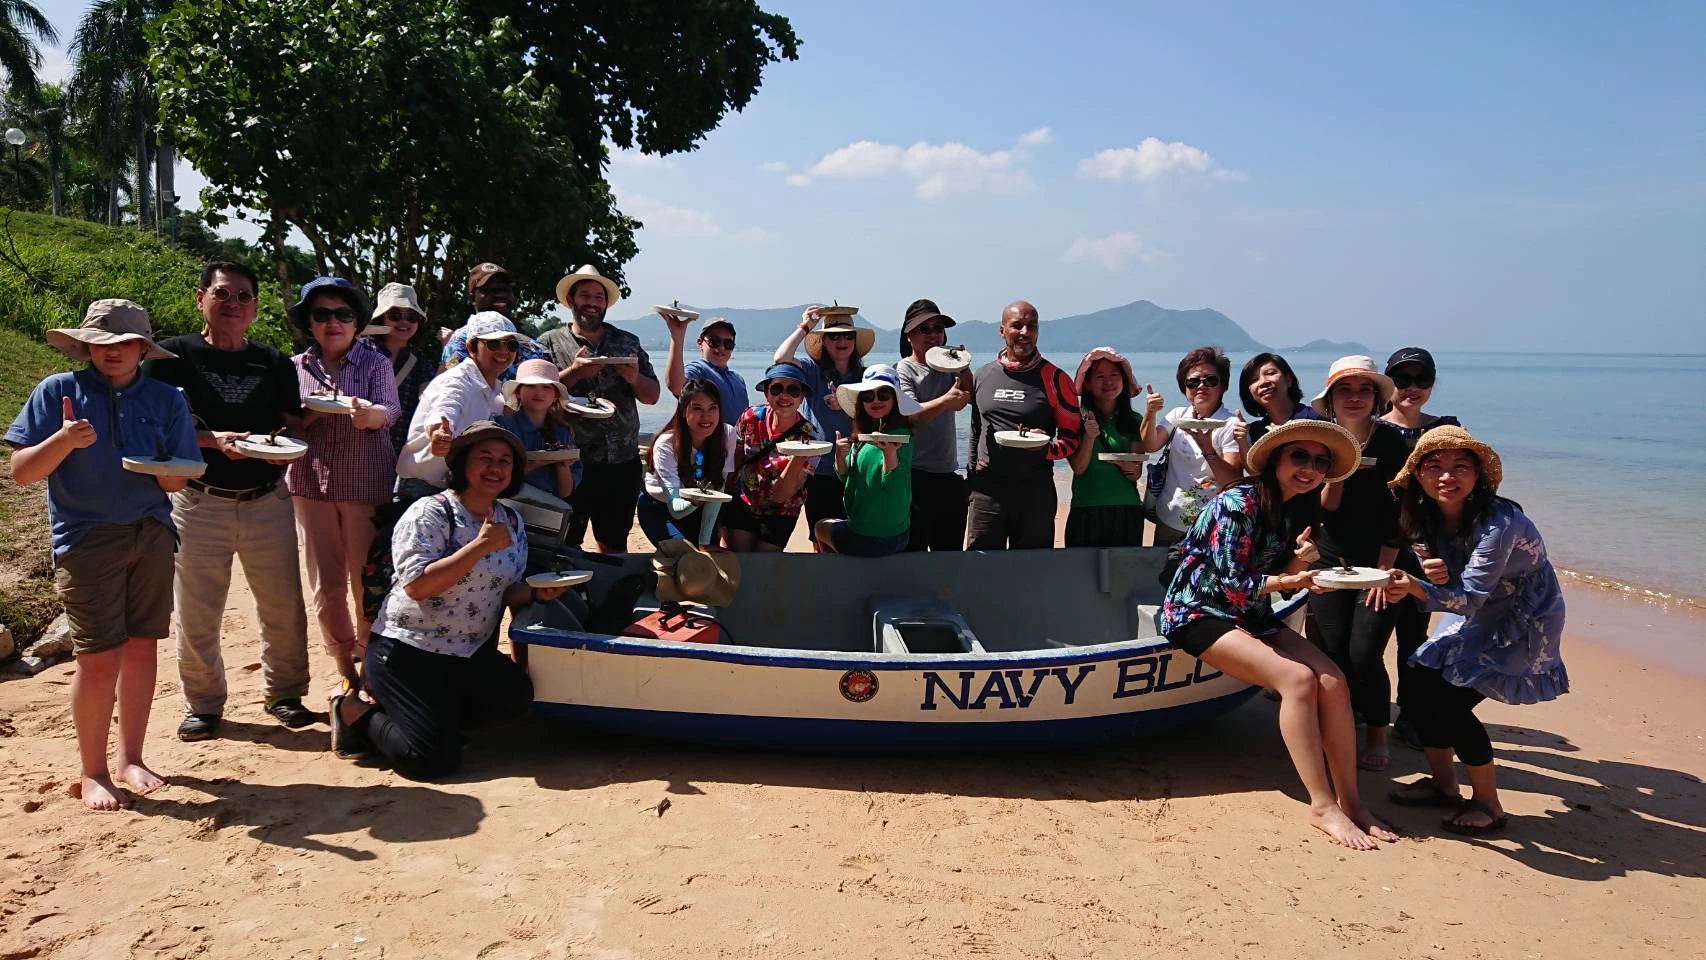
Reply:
x=1107, y=506
x=876, y=474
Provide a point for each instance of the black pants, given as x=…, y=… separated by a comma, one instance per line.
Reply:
x=425, y=697
x=1011, y=515
x=1444, y=715
x=605, y=497
x=1411, y=631
x=823, y=500
x=938, y=511
x=1355, y=637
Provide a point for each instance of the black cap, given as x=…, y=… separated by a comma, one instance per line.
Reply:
x=921, y=311
x=1411, y=355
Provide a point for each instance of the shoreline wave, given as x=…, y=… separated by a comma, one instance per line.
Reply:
x=1631, y=590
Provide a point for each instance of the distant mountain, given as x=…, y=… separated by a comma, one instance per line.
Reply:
x=759, y=328
x=1342, y=348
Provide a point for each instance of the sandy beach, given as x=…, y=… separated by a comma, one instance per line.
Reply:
x=554, y=843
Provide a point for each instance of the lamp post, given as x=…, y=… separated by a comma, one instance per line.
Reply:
x=16, y=138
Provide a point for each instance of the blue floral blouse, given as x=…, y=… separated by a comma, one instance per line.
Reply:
x=1503, y=612
x=459, y=620
x=1225, y=558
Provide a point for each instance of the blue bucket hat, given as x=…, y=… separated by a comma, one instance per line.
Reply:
x=785, y=370
x=334, y=285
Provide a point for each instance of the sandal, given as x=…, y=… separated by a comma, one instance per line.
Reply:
x=1496, y=822
x=1425, y=792
x=347, y=742
x=1374, y=760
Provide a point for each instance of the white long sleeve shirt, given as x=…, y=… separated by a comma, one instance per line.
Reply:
x=461, y=394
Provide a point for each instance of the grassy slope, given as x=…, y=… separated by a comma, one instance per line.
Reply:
x=27, y=600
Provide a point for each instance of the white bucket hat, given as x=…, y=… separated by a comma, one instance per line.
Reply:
x=397, y=295
x=542, y=372
x=612, y=293
x=877, y=377
x=1347, y=367
x=492, y=325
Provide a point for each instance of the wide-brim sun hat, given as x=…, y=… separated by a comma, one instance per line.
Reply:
x=1452, y=438
x=1341, y=445
x=107, y=321
x=337, y=286
x=784, y=371
x=876, y=377
x=538, y=372
x=688, y=573
x=482, y=430
x=612, y=293
x=1345, y=368
x=1113, y=356
x=864, y=338
x=492, y=325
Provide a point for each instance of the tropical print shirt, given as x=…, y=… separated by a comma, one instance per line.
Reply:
x=761, y=466
x=1224, y=560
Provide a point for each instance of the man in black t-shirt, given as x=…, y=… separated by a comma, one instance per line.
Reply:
x=238, y=508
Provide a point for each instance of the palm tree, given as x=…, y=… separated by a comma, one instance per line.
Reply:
x=112, y=88
x=20, y=58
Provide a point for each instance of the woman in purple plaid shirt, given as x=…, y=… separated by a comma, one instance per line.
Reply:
x=350, y=464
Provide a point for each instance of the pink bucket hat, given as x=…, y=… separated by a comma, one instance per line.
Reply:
x=1113, y=356
x=541, y=372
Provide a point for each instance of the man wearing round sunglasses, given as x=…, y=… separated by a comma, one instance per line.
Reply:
x=716, y=347
x=239, y=508
x=938, y=490
x=465, y=394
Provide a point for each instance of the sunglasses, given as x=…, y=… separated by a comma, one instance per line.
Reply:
x=718, y=343
x=222, y=294
x=1303, y=458
x=328, y=315
x=835, y=337
x=785, y=389
x=508, y=343
x=929, y=328
x=883, y=393
x=1192, y=383
x=1404, y=381
x=400, y=315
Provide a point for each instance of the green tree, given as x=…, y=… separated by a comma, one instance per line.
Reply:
x=21, y=26
x=113, y=89
x=410, y=140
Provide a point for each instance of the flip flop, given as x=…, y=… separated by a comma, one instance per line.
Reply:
x=1496, y=823
x=347, y=742
x=1425, y=792
x=1374, y=760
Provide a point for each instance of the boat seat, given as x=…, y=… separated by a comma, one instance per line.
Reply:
x=917, y=625
x=546, y=517
x=1148, y=621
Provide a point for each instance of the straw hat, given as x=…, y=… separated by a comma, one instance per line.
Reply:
x=107, y=321
x=689, y=574
x=1452, y=438
x=864, y=338
x=1111, y=355
x=541, y=372
x=877, y=377
x=612, y=293
x=1347, y=367
x=1341, y=444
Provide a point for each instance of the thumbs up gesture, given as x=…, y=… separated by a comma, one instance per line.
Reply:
x=79, y=433
x=1152, y=401
x=1240, y=430
x=493, y=537
x=1306, y=547
x=441, y=436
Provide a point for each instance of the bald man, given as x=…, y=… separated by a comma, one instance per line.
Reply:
x=1012, y=490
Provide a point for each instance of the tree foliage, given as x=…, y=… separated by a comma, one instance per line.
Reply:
x=21, y=26
x=412, y=139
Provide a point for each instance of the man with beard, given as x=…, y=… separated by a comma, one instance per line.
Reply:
x=601, y=362
x=1012, y=489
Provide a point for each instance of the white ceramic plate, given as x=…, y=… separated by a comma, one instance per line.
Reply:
x=375, y=330
x=696, y=495
x=947, y=359
x=1198, y=423
x=1123, y=457
x=340, y=405
x=676, y=312
x=567, y=455
x=804, y=448
x=1021, y=441
x=559, y=578
x=1359, y=578
x=171, y=467
x=284, y=448
x=1369, y=462
x=885, y=438
x=599, y=409
x=608, y=360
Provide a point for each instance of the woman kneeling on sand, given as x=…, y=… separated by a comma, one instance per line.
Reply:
x=1503, y=617
x=433, y=656
x=1237, y=553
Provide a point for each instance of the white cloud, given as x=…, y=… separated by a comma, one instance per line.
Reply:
x=671, y=220
x=774, y=166
x=55, y=65
x=635, y=160
x=799, y=180
x=936, y=169
x=1111, y=252
x=1153, y=160
x=1040, y=137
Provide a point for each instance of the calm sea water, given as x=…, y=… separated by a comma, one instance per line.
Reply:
x=1607, y=452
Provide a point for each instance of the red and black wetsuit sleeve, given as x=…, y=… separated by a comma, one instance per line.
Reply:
x=1068, y=419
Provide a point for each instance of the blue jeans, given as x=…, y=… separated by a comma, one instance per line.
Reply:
x=658, y=525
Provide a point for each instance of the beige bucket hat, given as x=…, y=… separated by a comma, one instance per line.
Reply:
x=690, y=574
x=107, y=321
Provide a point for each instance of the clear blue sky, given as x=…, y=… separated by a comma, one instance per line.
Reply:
x=1531, y=177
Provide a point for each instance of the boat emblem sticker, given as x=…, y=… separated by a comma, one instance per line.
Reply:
x=858, y=685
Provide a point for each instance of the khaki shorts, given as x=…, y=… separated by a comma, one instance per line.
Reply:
x=116, y=583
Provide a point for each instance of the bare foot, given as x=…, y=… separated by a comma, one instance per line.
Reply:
x=1371, y=824
x=1341, y=829
x=100, y=793
x=140, y=779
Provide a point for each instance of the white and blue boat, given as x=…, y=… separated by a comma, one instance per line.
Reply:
x=918, y=652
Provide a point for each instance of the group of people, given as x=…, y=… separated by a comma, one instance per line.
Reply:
x=397, y=509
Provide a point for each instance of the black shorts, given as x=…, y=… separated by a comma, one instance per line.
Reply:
x=605, y=497
x=772, y=528
x=1197, y=636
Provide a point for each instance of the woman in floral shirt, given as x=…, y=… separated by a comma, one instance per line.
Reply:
x=770, y=487
x=433, y=654
x=1237, y=552
x=1503, y=617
